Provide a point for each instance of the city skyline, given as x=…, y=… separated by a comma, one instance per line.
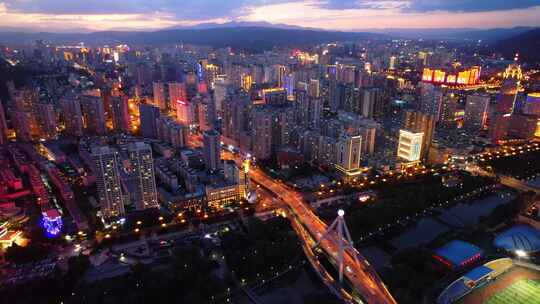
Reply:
x=345, y=15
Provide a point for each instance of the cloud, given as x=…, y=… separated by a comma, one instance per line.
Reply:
x=470, y=5
x=180, y=9
x=431, y=5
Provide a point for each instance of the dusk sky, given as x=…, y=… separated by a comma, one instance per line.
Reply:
x=75, y=15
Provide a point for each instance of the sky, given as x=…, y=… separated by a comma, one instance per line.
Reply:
x=95, y=15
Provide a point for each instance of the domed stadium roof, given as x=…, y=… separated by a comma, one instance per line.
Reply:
x=521, y=237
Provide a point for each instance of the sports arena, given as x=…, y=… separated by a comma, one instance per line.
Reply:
x=496, y=282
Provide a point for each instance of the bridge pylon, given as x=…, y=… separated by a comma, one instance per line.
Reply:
x=344, y=240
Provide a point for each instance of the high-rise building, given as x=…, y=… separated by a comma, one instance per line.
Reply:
x=476, y=110
x=185, y=112
x=93, y=114
x=369, y=102
x=170, y=131
x=72, y=115
x=349, y=149
x=348, y=97
x=314, y=88
x=160, y=99
x=392, y=63
x=418, y=122
x=24, y=125
x=498, y=127
x=141, y=161
x=236, y=112
x=3, y=125
x=46, y=120
x=120, y=113
x=111, y=198
x=206, y=114
x=148, y=116
x=410, y=145
x=276, y=96
x=431, y=99
x=212, y=150
x=177, y=93
x=509, y=89
x=447, y=114
x=368, y=133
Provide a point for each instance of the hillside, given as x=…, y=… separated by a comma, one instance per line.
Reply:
x=526, y=44
x=246, y=38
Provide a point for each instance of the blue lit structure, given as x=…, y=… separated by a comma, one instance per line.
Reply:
x=52, y=222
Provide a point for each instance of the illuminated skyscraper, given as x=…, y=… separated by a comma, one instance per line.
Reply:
x=410, y=145
x=140, y=157
x=476, y=111
x=111, y=199
x=212, y=150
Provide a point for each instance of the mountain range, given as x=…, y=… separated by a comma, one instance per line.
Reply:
x=260, y=36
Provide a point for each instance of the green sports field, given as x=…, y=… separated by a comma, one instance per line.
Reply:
x=520, y=292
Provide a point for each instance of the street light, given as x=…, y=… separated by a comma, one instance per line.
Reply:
x=521, y=254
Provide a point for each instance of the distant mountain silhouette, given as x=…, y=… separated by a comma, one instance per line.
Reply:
x=526, y=44
x=245, y=38
x=454, y=33
x=230, y=24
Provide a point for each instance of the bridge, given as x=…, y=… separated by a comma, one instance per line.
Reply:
x=358, y=282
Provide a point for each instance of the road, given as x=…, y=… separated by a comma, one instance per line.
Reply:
x=504, y=179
